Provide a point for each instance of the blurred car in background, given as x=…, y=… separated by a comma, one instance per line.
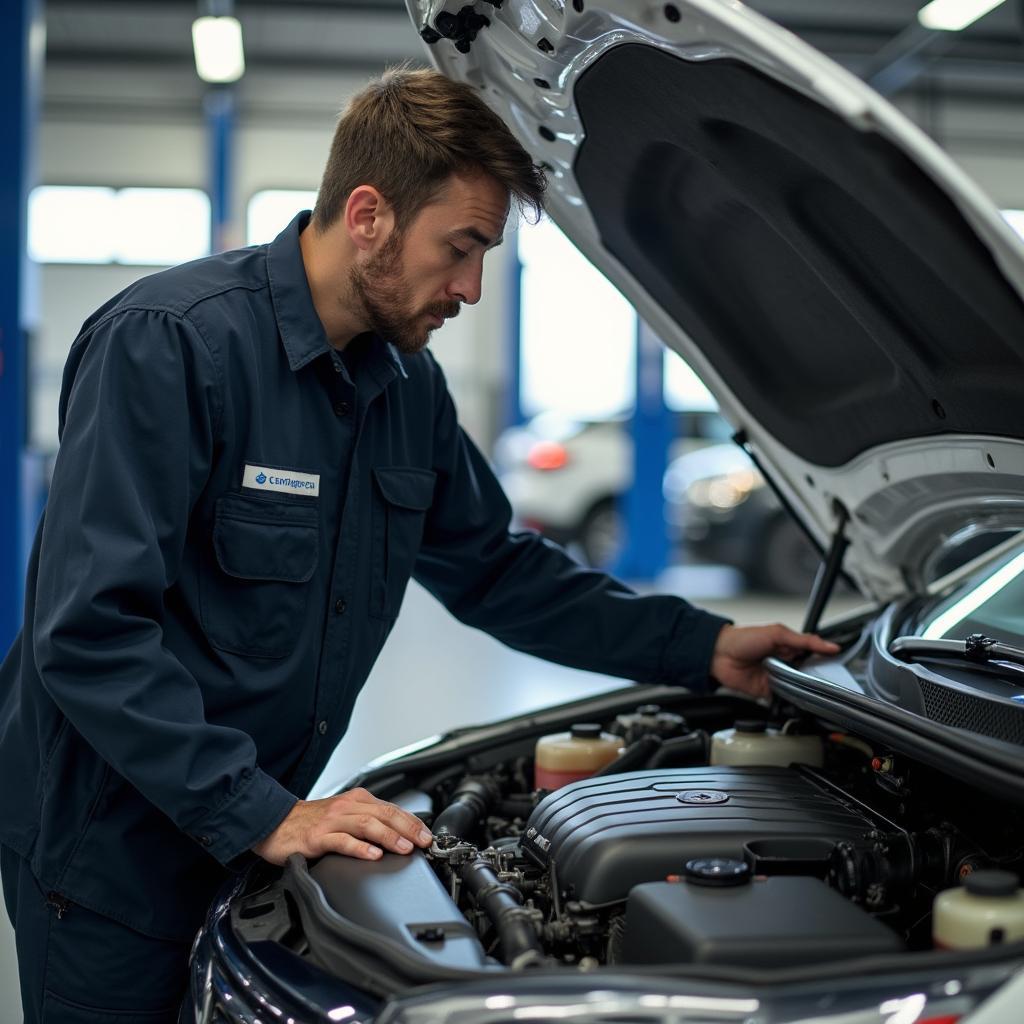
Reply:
x=564, y=477
x=719, y=509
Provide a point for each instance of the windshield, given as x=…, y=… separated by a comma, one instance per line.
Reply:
x=991, y=603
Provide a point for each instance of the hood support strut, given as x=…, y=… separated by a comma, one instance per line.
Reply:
x=829, y=570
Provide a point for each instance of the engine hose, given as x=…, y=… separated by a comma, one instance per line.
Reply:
x=470, y=803
x=519, y=806
x=682, y=751
x=520, y=946
x=634, y=757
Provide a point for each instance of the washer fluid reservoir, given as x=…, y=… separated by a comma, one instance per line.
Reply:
x=565, y=757
x=753, y=743
x=986, y=910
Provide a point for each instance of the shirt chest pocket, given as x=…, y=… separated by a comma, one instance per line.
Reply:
x=254, y=588
x=401, y=498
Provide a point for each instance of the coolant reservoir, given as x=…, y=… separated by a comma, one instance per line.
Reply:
x=566, y=757
x=753, y=743
x=987, y=909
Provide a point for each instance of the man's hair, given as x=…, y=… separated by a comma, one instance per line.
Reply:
x=407, y=133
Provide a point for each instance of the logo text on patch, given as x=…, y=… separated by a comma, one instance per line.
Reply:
x=285, y=481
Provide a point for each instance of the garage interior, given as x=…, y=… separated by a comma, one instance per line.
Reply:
x=121, y=107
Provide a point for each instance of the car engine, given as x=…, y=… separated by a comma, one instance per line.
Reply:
x=662, y=858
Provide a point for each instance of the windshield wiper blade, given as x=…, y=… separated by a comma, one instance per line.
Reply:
x=977, y=648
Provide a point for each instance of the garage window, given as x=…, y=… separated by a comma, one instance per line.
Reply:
x=129, y=226
x=270, y=210
x=578, y=337
x=577, y=333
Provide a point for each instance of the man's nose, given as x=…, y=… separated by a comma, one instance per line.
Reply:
x=466, y=287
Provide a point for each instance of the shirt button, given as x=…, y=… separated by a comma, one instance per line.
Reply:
x=322, y=728
x=341, y=409
x=204, y=840
x=340, y=606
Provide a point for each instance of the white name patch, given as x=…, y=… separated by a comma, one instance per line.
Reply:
x=287, y=481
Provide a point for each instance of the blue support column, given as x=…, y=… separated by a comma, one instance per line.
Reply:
x=645, y=551
x=219, y=106
x=513, y=405
x=21, y=61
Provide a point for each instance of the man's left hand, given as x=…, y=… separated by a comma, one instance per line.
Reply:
x=737, y=661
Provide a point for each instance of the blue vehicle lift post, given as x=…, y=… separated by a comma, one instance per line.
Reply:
x=645, y=551
x=512, y=406
x=21, y=62
x=219, y=106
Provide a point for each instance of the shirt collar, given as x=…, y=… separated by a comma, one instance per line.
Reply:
x=302, y=333
x=397, y=360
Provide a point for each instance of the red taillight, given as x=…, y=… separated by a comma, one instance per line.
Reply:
x=547, y=455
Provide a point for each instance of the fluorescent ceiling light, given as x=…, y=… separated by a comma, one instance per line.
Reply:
x=953, y=15
x=217, y=43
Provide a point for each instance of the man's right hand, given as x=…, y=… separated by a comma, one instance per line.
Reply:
x=355, y=824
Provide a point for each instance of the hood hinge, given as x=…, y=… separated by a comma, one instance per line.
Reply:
x=461, y=28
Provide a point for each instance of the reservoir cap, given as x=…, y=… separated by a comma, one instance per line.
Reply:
x=992, y=883
x=751, y=725
x=586, y=731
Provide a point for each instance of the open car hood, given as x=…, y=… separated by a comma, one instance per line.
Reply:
x=851, y=298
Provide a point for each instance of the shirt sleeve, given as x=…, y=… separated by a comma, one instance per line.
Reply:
x=528, y=593
x=138, y=419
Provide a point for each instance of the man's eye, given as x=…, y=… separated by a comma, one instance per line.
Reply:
x=457, y=253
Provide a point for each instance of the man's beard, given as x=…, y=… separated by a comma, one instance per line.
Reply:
x=383, y=290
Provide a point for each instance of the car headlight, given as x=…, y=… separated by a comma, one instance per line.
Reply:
x=722, y=492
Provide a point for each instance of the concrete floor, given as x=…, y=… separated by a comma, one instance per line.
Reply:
x=436, y=674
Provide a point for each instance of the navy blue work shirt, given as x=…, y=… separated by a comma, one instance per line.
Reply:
x=234, y=515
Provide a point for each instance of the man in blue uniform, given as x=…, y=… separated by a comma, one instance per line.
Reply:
x=256, y=454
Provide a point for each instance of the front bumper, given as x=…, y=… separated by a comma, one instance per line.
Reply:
x=233, y=981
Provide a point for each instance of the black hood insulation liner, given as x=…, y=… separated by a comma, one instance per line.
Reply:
x=835, y=288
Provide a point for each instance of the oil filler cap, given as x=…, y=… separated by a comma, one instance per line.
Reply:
x=702, y=797
x=717, y=871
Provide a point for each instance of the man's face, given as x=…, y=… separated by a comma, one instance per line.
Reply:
x=420, y=278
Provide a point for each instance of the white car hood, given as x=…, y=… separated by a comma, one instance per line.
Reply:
x=849, y=295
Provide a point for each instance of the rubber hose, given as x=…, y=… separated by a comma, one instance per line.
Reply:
x=682, y=751
x=520, y=946
x=469, y=804
x=634, y=757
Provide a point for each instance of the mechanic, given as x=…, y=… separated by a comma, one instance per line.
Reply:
x=256, y=454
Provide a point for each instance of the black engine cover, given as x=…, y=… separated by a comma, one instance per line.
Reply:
x=603, y=836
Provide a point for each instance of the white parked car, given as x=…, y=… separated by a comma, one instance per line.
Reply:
x=564, y=478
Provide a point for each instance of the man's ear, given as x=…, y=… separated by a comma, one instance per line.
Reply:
x=369, y=218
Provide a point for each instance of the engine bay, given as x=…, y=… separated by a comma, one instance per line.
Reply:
x=660, y=858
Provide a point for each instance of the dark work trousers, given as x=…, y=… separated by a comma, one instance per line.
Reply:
x=78, y=967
